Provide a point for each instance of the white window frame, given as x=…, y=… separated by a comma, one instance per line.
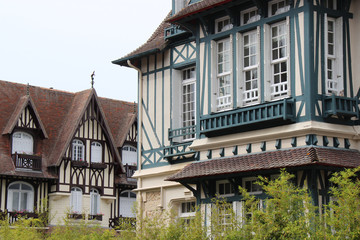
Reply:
x=94, y=202
x=225, y=24
x=129, y=155
x=22, y=143
x=280, y=89
x=29, y=194
x=250, y=96
x=188, y=79
x=224, y=182
x=252, y=180
x=78, y=150
x=223, y=99
x=189, y=209
x=256, y=16
x=334, y=84
x=76, y=200
x=279, y=10
x=128, y=201
x=96, y=152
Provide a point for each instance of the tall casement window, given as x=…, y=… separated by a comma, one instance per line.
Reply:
x=22, y=143
x=78, y=150
x=20, y=197
x=188, y=100
x=333, y=56
x=250, y=74
x=94, y=202
x=223, y=74
x=126, y=202
x=96, y=152
x=129, y=155
x=278, y=6
x=279, y=60
x=76, y=200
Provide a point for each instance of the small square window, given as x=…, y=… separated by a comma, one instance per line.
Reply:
x=251, y=186
x=224, y=188
x=222, y=24
x=249, y=16
x=278, y=7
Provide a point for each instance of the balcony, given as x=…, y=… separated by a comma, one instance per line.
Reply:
x=173, y=31
x=184, y=132
x=339, y=106
x=25, y=161
x=179, y=151
x=248, y=118
x=130, y=170
x=122, y=223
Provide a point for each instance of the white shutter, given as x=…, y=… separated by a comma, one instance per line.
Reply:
x=267, y=62
x=208, y=209
x=176, y=102
x=339, y=66
x=213, y=76
x=96, y=152
x=238, y=210
x=288, y=56
x=258, y=55
x=239, y=70
x=231, y=53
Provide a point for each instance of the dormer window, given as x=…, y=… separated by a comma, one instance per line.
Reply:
x=278, y=7
x=179, y=4
x=249, y=16
x=222, y=24
x=22, y=143
x=78, y=150
x=96, y=152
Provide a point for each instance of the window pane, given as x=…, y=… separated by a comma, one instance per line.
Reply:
x=15, y=201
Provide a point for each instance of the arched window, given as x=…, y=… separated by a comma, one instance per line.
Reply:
x=96, y=152
x=76, y=200
x=22, y=143
x=78, y=150
x=94, y=202
x=20, y=197
x=129, y=155
x=127, y=200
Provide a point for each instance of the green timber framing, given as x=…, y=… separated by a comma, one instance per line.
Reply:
x=311, y=105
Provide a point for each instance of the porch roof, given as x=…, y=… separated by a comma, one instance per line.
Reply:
x=295, y=157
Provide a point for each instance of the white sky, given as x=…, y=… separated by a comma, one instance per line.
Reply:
x=59, y=43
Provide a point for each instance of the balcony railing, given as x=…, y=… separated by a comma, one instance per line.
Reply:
x=130, y=170
x=122, y=222
x=340, y=106
x=14, y=216
x=183, y=133
x=172, y=31
x=221, y=123
x=25, y=161
x=179, y=151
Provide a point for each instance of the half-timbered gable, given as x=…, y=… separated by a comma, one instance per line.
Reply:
x=230, y=89
x=64, y=148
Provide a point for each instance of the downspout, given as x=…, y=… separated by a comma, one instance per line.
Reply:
x=139, y=180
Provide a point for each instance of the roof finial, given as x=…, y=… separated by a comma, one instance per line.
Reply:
x=134, y=107
x=27, y=90
x=92, y=79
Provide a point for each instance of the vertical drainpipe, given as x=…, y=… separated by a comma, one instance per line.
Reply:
x=140, y=94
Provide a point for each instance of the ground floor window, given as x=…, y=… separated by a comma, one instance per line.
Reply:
x=127, y=200
x=20, y=197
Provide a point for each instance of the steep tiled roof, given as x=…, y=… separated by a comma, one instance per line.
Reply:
x=154, y=44
x=269, y=160
x=60, y=113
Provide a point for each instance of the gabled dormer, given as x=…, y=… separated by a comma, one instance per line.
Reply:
x=26, y=131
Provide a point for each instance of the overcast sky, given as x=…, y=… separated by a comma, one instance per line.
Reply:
x=59, y=43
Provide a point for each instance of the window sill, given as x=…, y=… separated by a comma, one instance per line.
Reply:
x=95, y=217
x=79, y=163
x=76, y=216
x=98, y=165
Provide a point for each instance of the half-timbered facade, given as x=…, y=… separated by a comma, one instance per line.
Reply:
x=233, y=89
x=61, y=151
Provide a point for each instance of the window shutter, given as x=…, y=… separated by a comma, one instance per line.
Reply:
x=208, y=209
x=213, y=76
x=239, y=71
x=231, y=70
x=238, y=210
x=289, y=80
x=176, y=102
x=267, y=61
x=339, y=62
x=258, y=62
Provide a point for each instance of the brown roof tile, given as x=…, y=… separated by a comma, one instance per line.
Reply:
x=269, y=160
